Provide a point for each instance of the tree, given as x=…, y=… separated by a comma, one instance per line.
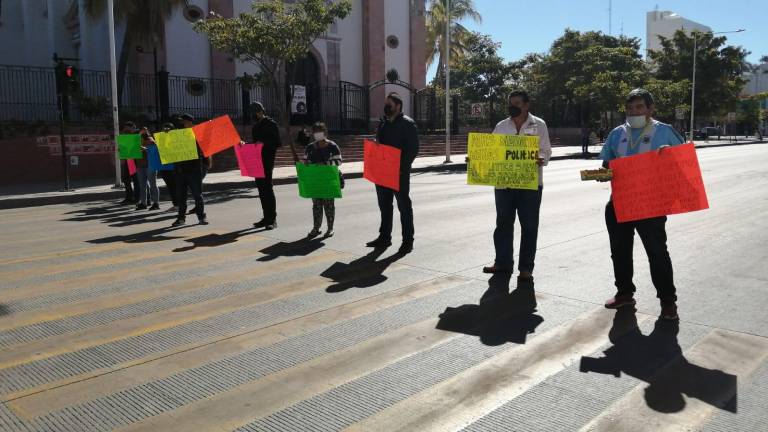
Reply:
x=719, y=69
x=273, y=36
x=589, y=73
x=144, y=24
x=436, y=21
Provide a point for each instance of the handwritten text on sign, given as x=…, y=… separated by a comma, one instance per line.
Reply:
x=507, y=161
x=318, y=181
x=652, y=184
x=177, y=145
x=381, y=164
x=249, y=160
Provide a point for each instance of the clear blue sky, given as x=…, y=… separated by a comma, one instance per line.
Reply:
x=532, y=26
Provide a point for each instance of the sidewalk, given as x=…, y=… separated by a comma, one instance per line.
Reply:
x=49, y=193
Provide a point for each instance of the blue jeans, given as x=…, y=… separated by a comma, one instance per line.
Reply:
x=147, y=185
x=524, y=204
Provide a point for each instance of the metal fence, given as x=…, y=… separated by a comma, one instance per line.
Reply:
x=28, y=94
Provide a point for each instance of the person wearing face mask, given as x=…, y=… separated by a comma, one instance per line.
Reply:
x=322, y=151
x=640, y=134
x=399, y=131
x=266, y=131
x=522, y=203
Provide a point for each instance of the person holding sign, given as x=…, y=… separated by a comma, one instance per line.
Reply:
x=399, y=131
x=147, y=176
x=523, y=203
x=189, y=175
x=640, y=134
x=322, y=151
x=130, y=182
x=168, y=176
x=265, y=131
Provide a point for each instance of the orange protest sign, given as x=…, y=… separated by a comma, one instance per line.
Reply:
x=216, y=135
x=381, y=164
x=652, y=184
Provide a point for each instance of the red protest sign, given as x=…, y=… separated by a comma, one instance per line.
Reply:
x=216, y=135
x=652, y=184
x=381, y=164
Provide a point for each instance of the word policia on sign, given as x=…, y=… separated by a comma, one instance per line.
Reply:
x=652, y=184
x=506, y=161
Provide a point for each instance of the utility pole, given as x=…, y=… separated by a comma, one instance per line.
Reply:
x=447, y=66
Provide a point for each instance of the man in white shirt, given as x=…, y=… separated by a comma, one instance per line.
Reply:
x=522, y=203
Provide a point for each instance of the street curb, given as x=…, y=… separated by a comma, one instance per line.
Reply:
x=22, y=201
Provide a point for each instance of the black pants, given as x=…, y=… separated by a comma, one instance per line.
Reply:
x=193, y=181
x=169, y=177
x=654, y=237
x=131, y=183
x=267, y=195
x=512, y=204
x=404, y=205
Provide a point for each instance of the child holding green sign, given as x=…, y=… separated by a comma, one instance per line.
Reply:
x=322, y=152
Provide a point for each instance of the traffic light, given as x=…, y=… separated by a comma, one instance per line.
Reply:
x=67, y=78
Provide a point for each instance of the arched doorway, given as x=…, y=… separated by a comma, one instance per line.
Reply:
x=305, y=74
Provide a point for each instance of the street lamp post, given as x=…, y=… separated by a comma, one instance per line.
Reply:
x=693, y=79
x=113, y=79
x=447, y=81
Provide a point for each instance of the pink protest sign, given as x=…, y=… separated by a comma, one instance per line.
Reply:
x=249, y=160
x=131, y=167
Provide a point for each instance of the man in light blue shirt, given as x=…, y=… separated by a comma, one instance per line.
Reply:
x=640, y=134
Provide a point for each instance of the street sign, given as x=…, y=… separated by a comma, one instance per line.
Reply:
x=476, y=110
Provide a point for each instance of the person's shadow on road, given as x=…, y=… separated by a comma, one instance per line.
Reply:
x=301, y=247
x=215, y=240
x=364, y=272
x=4, y=310
x=150, y=236
x=658, y=360
x=500, y=317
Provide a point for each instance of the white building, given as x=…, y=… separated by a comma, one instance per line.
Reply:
x=666, y=23
x=377, y=36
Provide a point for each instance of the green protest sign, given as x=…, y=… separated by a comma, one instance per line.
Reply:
x=318, y=181
x=129, y=146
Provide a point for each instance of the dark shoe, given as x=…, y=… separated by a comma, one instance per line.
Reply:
x=126, y=202
x=669, y=311
x=496, y=269
x=178, y=222
x=314, y=233
x=379, y=243
x=202, y=220
x=525, y=276
x=329, y=233
x=260, y=224
x=270, y=225
x=406, y=247
x=620, y=301
x=155, y=207
x=141, y=206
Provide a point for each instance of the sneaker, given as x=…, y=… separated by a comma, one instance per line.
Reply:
x=260, y=224
x=155, y=207
x=406, y=247
x=620, y=301
x=379, y=243
x=178, y=222
x=314, y=233
x=203, y=221
x=669, y=311
x=270, y=226
x=493, y=269
x=329, y=233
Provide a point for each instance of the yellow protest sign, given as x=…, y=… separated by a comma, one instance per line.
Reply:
x=506, y=161
x=176, y=146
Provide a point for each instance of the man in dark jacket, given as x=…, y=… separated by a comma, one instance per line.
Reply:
x=266, y=131
x=399, y=131
x=189, y=175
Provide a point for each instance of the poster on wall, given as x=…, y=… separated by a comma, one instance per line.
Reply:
x=299, y=101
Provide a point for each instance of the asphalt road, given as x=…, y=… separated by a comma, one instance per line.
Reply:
x=109, y=320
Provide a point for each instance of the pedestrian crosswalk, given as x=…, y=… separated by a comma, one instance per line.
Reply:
x=213, y=331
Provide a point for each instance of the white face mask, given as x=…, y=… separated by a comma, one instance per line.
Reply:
x=319, y=136
x=637, y=122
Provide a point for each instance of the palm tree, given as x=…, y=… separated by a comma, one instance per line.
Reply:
x=436, y=22
x=144, y=24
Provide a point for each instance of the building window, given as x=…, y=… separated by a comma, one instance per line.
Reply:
x=193, y=13
x=393, y=42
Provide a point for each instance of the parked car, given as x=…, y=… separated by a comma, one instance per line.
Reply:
x=706, y=132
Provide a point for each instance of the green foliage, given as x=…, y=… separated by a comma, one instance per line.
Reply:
x=719, y=69
x=482, y=74
x=436, y=21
